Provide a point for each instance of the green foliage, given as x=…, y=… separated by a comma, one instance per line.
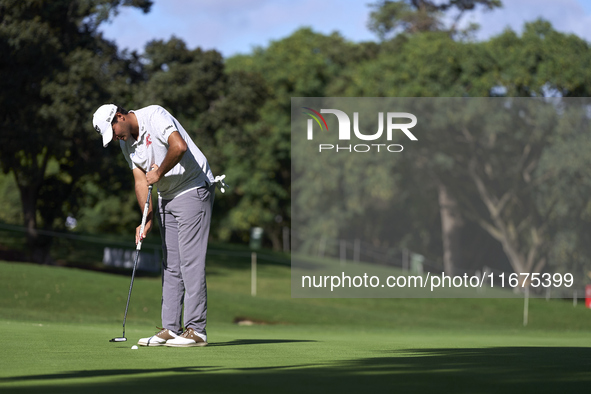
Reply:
x=54, y=71
x=415, y=16
x=196, y=77
x=104, y=211
x=541, y=62
x=423, y=65
x=566, y=162
x=400, y=15
x=301, y=65
x=11, y=211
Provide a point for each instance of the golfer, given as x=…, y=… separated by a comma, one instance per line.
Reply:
x=159, y=151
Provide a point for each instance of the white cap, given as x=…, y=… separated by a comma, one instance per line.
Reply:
x=101, y=121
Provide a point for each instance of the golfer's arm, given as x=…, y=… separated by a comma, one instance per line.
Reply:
x=141, y=191
x=176, y=150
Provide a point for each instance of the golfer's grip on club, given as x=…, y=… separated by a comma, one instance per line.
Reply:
x=144, y=216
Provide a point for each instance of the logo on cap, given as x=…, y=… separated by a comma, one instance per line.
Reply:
x=98, y=130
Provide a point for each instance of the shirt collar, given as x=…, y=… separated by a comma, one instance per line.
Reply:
x=142, y=127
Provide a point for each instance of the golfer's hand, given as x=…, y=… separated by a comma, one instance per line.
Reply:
x=147, y=228
x=153, y=175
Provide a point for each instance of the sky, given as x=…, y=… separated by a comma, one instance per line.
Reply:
x=237, y=26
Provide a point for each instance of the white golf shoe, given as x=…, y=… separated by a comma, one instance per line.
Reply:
x=160, y=339
x=187, y=339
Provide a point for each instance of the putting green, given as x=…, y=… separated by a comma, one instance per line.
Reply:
x=55, y=326
x=72, y=358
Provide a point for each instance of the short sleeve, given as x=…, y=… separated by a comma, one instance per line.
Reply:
x=163, y=124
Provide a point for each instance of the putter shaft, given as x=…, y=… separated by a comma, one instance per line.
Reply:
x=137, y=256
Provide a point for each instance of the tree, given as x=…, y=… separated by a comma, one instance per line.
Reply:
x=493, y=175
x=414, y=16
x=567, y=162
x=552, y=64
x=301, y=65
x=426, y=65
x=55, y=69
x=420, y=16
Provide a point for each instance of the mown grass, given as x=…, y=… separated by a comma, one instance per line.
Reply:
x=56, y=323
x=31, y=292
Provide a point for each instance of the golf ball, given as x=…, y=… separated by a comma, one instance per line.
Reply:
x=134, y=347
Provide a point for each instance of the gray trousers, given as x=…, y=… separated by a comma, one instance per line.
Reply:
x=184, y=223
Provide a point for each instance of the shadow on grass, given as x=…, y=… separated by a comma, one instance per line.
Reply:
x=240, y=342
x=487, y=370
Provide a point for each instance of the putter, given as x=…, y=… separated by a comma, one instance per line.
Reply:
x=137, y=255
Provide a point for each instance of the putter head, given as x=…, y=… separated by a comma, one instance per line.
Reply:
x=118, y=340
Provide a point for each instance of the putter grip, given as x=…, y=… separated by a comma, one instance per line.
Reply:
x=146, y=208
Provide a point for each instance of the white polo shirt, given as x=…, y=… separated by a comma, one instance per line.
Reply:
x=155, y=126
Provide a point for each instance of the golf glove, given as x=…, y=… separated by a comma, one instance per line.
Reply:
x=219, y=181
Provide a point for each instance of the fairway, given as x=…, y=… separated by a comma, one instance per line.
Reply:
x=56, y=324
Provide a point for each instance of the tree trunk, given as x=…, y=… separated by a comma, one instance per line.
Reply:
x=527, y=259
x=276, y=240
x=37, y=245
x=451, y=229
